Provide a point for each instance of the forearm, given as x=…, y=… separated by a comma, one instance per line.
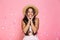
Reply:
x=34, y=28
x=26, y=28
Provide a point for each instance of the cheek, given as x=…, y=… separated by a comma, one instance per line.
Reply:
x=32, y=13
x=28, y=14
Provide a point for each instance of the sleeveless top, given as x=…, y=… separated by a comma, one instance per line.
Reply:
x=30, y=32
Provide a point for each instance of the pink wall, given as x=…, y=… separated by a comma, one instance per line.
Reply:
x=11, y=15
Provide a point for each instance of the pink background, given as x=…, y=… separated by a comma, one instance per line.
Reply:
x=11, y=16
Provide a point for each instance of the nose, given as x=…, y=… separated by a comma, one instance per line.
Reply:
x=30, y=13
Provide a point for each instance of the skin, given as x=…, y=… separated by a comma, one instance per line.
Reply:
x=30, y=17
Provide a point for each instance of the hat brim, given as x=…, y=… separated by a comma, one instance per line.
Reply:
x=24, y=9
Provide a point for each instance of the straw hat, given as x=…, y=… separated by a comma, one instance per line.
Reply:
x=24, y=9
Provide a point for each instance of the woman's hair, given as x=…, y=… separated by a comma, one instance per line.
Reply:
x=25, y=19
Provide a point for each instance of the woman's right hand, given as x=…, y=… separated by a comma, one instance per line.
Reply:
x=28, y=18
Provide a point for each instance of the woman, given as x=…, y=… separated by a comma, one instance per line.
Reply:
x=30, y=23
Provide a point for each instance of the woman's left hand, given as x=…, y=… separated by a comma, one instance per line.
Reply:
x=32, y=18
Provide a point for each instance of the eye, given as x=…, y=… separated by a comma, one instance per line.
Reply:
x=28, y=11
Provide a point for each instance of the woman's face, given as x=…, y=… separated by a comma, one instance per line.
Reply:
x=30, y=12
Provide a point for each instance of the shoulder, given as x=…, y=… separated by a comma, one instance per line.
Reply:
x=37, y=19
x=22, y=22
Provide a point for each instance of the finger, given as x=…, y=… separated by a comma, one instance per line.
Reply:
x=32, y=17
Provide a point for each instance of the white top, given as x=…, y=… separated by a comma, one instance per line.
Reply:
x=30, y=29
x=31, y=36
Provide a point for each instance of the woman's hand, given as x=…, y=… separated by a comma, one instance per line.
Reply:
x=29, y=19
x=32, y=18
